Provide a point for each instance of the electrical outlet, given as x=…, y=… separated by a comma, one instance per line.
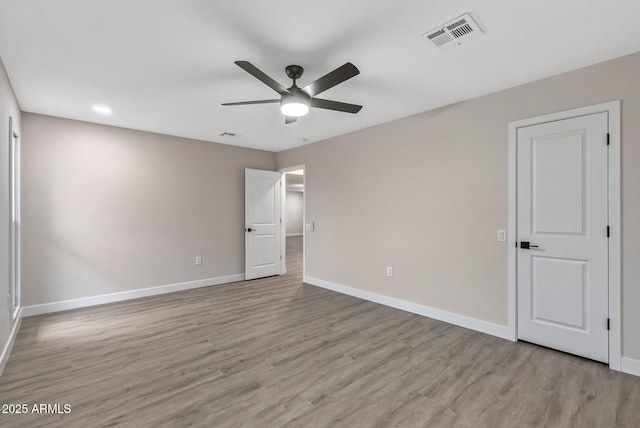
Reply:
x=389, y=271
x=502, y=235
x=198, y=260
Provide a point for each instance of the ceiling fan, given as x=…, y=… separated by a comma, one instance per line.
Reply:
x=295, y=101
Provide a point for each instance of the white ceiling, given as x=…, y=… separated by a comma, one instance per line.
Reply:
x=167, y=65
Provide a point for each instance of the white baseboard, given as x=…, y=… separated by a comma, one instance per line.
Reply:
x=293, y=234
x=631, y=366
x=4, y=357
x=449, y=317
x=65, y=305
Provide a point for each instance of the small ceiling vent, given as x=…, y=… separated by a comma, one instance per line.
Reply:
x=230, y=135
x=453, y=33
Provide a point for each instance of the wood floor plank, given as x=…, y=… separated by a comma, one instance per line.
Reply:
x=275, y=352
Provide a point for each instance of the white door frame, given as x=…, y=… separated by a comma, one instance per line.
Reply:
x=284, y=171
x=14, y=229
x=613, y=110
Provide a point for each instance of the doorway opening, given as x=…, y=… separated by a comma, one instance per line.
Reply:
x=293, y=223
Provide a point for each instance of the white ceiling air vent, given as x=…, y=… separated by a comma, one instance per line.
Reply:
x=453, y=33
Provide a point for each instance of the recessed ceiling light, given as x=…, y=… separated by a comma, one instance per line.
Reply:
x=102, y=109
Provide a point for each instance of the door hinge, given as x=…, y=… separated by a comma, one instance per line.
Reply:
x=608, y=231
x=608, y=323
x=608, y=139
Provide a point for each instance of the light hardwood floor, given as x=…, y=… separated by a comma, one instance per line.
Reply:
x=275, y=352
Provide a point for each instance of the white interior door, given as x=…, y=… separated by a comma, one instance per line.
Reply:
x=263, y=230
x=562, y=217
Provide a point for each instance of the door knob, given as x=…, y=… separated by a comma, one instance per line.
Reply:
x=526, y=245
x=250, y=230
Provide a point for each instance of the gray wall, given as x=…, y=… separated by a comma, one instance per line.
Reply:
x=107, y=209
x=8, y=107
x=294, y=213
x=431, y=190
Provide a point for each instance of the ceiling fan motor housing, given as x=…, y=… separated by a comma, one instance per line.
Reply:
x=295, y=95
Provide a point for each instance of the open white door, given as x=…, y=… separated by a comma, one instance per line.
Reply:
x=562, y=256
x=263, y=231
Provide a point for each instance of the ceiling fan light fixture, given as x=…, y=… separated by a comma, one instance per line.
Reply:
x=294, y=106
x=294, y=109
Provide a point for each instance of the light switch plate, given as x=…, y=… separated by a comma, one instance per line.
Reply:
x=502, y=235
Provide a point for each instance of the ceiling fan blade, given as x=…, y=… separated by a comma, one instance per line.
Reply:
x=331, y=79
x=290, y=119
x=255, y=72
x=334, y=105
x=243, y=103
